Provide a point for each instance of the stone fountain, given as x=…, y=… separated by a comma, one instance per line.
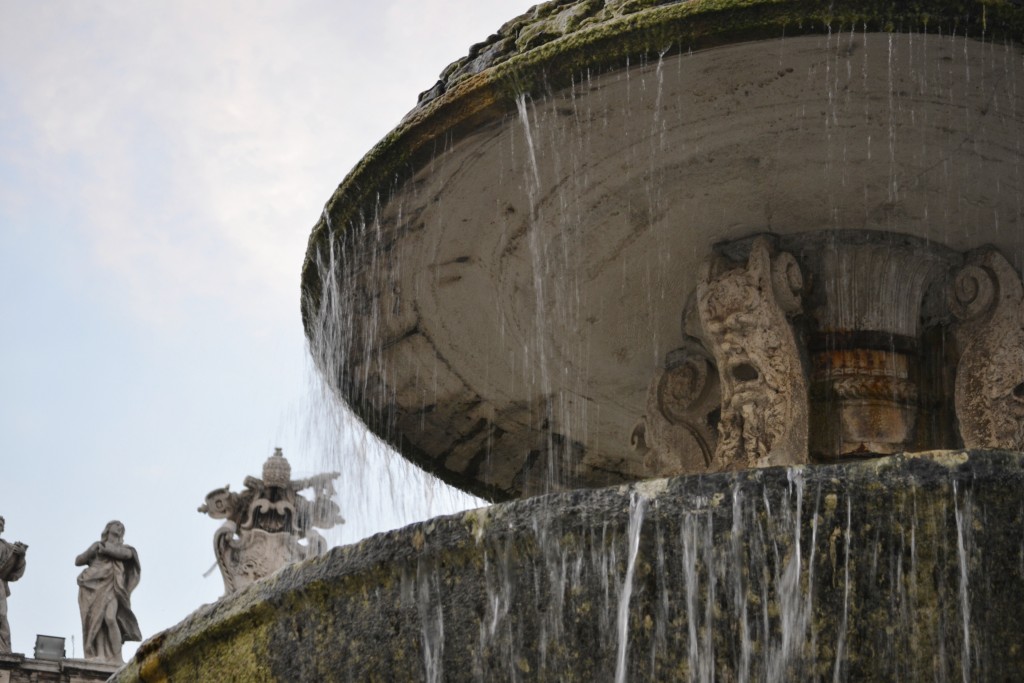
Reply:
x=723, y=298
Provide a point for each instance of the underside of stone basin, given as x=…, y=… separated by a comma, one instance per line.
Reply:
x=495, y=287
x=899, y=568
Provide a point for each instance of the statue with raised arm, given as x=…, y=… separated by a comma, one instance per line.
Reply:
x=12, y=566
x=104, y=595
x=269, y=524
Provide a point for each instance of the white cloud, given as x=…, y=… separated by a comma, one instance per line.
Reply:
x=198, y=141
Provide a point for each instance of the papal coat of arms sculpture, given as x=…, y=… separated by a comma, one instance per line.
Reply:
x=269, y=524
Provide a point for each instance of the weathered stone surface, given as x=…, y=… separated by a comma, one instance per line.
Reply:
x=901, y=568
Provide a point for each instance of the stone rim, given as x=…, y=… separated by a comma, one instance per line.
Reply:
x=241, y=635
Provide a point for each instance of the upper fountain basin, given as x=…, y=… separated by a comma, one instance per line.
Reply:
x=493, y=287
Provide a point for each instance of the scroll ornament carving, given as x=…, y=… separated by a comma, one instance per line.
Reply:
x=743, y=311
x=677, y=434
x=988, y=298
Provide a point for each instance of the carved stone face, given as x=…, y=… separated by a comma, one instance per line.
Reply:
x=113, y=533
x=763, y=401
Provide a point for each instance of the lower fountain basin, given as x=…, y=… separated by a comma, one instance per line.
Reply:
x=904, y=567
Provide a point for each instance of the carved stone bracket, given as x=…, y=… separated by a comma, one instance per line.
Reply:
x=744, y=311
x=988, y=299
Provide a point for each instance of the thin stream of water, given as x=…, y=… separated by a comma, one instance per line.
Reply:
x=962, y=511
x=637, y=504
x=837, y=671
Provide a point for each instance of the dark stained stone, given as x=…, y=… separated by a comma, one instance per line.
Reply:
x=905, y=567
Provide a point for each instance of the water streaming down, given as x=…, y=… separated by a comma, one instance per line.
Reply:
x=794, y=604
x=838, y=666
x=740, y=582
x=393, y=491
x=695, y=539
x=636, y=519
x=773, y=575
x=536, y=356
x=431, y=617
x=962, y=515
x=747, y=609
x=495, y=288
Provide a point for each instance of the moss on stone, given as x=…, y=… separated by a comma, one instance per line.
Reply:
x=890, y=608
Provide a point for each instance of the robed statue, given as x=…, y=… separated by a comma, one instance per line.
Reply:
x=269, y=524
x=104, y=595
x=12, y=566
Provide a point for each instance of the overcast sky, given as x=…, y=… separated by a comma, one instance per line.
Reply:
x=161, y=166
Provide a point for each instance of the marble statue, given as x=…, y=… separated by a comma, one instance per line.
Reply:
x=104, y=594
x=12, y=566
x=269, y=525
